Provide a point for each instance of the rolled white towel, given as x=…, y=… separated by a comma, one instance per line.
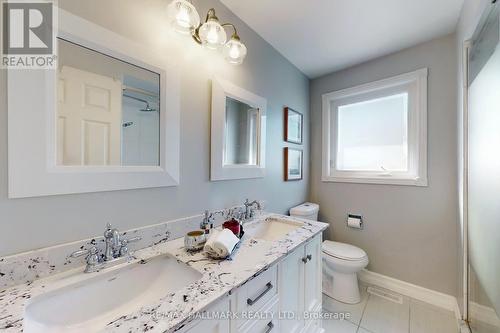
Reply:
x=210, y=242
x=224, y=243
x=221, y=243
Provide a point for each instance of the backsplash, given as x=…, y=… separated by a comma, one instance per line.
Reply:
x=29, y=266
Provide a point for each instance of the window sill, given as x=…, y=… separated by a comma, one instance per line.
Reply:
x=377, y=180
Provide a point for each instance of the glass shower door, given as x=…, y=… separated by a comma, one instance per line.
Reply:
x=484, y=176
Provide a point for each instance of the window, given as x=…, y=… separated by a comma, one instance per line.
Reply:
x=377, y=132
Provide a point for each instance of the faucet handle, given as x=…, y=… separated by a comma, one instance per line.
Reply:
x=80, y=253
x=124, y=250
x=131, y=240
x=92, y=259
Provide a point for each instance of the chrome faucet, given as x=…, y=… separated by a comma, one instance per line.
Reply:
x=116, y=248
x=209, y=217
x=249, y=208
x=207, y=220
x=112, y=239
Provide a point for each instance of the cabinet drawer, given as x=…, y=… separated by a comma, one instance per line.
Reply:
x=210, y=325
x=256, y=293
x=268, y=323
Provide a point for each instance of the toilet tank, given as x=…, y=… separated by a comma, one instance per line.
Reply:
x=307, y=210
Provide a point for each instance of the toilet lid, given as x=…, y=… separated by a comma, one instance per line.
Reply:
x=343, y=251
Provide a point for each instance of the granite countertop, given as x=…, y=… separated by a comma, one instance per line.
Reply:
x=171, y=312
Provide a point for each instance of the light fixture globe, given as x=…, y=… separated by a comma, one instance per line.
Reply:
x=182, y=16
x=212, y=34
x=235, y=51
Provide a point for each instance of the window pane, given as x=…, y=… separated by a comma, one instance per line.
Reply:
x=373, y=135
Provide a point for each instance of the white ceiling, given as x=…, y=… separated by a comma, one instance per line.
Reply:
x=322, y=36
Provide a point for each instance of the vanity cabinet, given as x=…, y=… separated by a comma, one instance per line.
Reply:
x=313, y=299
x=299, y=286
x=280, y=299
x=291, y=283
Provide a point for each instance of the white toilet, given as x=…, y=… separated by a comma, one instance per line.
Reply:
x=307, y=211
x=341, y=262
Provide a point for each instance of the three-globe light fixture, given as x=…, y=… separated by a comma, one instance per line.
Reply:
x=184, y=18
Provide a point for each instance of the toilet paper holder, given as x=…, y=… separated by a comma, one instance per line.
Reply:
x=354, y=221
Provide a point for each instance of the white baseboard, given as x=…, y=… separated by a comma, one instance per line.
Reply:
x=483, y=314
x=435, y=298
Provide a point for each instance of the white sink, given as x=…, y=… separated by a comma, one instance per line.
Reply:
x=90, y=305
x=271, y=230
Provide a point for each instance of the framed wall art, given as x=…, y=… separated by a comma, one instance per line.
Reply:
x=293, y=125
x=293, y=164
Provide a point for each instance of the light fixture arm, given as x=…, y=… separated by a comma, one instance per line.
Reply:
x=211, y=16
x=235, y=32
x=196, y=35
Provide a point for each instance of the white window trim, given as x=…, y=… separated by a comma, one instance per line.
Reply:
x=417, y=124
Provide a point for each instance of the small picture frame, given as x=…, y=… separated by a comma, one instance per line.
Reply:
x=293, y=164
x=293, y=125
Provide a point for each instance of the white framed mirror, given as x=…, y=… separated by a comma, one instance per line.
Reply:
x=108, y=110
x=107, y=118
x=238, y=132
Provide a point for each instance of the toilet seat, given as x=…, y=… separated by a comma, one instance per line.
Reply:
x=343, y=251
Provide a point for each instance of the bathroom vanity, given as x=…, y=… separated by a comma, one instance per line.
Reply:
x=274, y=300
x=273, y=284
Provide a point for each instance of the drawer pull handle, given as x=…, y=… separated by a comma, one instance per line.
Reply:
x=304, y=260
x=270, y=327
x=269, y=286
x=309, y=257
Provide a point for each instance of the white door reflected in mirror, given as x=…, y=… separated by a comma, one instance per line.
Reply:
x=107, y=110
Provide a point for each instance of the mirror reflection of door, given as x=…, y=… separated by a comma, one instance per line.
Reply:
x=108, y=110
x=241, y=133
x=89, y=118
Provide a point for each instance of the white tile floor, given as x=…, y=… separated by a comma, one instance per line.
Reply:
x=378, y=315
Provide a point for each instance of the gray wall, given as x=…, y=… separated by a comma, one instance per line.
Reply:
x=38, y=222
x=411, y=233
